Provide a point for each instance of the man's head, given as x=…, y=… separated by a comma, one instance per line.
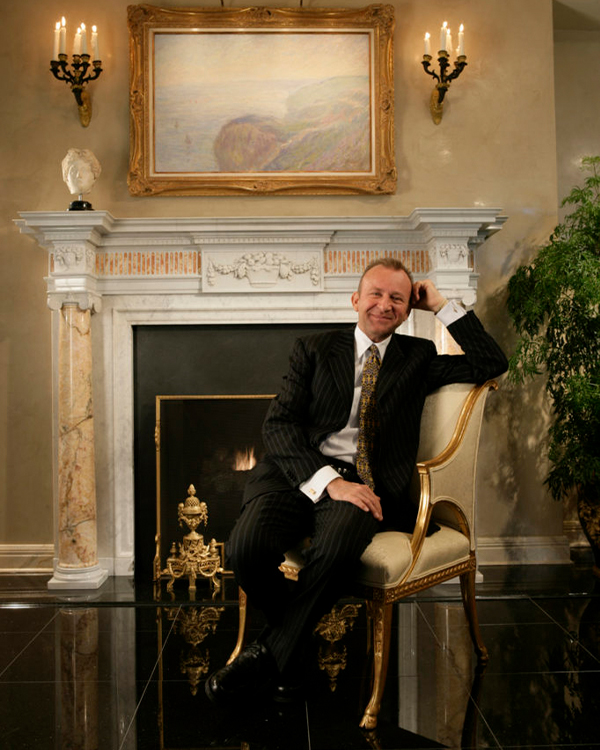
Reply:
x=383, y=298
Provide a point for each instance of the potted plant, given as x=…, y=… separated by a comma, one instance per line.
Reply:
x=554, y=303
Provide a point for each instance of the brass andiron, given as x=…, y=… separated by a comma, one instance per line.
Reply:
x=194, y=558
x=194, y=624
x=77, y=76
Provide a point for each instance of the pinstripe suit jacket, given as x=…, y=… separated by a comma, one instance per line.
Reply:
x=317, y=392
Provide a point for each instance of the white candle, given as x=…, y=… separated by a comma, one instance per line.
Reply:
x=427, y=44
x=443, y=33
x=77, y=43
x=63, y=37
x=461, y=41
x=56, y=41
x=95, y=47
x=449, y=42
x=84, y=50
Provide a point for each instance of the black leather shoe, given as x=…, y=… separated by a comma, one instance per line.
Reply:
x=253, y=671
x=288, y=693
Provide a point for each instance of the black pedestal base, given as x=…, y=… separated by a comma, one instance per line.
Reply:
x=80, y=206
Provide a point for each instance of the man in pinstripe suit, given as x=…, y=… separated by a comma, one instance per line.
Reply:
x=307, y=484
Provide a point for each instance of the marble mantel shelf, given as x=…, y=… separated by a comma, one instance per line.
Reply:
x=94, y=253
x=177, y=271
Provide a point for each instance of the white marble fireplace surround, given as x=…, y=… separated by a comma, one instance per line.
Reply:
x=181, y=271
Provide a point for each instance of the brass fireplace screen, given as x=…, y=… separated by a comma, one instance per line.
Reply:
x=205, y=447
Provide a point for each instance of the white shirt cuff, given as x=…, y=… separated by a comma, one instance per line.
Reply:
x=450, y=313
x=315, y=486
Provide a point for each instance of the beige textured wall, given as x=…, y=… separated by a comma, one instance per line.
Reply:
x=578, y=105
x=496, y=146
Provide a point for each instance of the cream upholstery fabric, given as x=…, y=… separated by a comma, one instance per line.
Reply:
x=387, y=559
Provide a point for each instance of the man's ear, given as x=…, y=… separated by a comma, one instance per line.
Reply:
x=354, y=300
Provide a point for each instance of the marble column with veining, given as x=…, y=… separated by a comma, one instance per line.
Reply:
x=77, y=562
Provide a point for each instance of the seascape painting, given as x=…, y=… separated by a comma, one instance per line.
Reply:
x=257, y=102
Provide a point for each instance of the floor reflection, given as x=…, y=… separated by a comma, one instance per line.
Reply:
x=77, y=689
x=127, y=672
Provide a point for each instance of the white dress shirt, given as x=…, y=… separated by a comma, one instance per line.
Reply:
x=342, y=444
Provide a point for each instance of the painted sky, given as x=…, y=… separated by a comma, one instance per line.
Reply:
x=227, y=56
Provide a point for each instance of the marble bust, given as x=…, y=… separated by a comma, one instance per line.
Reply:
x=80, y=170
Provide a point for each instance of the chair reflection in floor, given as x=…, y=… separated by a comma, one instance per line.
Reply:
x=397, y=564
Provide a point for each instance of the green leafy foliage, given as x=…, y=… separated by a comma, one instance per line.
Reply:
x=554, y=304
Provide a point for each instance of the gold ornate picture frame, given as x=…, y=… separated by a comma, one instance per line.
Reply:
x=261, y=101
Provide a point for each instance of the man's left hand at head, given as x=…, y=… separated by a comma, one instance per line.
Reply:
x=426, y=296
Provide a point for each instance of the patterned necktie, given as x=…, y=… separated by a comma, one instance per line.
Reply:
x=367, y=417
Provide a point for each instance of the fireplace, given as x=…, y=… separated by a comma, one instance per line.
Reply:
x=199, y=422
x=111, y=279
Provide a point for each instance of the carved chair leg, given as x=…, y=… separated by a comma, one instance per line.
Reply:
x=243, y=618
x=467, y=587
x=381, y=624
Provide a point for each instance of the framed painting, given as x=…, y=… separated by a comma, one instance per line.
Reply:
x=260, y=101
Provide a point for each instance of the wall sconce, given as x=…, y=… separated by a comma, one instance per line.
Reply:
x=444, y=79
x=78, y=76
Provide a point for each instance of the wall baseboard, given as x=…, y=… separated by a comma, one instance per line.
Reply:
x=26, y=558
x=523, y=550
x=513, y=550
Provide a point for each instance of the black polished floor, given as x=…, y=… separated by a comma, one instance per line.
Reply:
x=119, y=669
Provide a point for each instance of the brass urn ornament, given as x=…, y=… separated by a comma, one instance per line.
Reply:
x=192, y=558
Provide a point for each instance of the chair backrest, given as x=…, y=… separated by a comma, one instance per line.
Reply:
x=453, y=411
x=439, y=418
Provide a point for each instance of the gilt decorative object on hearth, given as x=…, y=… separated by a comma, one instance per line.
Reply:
x=192, y=558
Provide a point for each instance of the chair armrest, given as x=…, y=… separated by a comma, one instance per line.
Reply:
x=449, y=477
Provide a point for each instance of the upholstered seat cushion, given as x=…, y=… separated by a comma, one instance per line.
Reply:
x=385, y=561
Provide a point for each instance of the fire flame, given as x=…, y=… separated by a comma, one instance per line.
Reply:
x=244, y=460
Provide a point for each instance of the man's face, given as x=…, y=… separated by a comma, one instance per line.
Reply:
x=382, y=302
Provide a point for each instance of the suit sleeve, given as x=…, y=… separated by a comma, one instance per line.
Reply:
x=482, y=360
x=285, y=431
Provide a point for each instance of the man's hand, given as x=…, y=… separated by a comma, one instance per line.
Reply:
x=425, y=296
x=359, y=494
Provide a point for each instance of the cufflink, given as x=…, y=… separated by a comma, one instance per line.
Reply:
x=312, y=492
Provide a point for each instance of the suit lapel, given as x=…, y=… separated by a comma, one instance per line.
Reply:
x=391, y=367
x=341, y=361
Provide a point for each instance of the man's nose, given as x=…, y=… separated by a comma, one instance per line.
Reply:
x=385, y=302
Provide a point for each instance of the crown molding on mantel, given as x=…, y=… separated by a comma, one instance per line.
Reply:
x=94, y=254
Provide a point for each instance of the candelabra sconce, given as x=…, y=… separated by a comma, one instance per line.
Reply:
x=77, y=78
x=444, y=79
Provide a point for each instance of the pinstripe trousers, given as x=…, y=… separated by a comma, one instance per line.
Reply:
x=275, y=522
